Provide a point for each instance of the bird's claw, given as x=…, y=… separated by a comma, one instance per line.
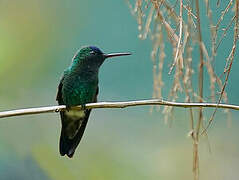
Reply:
x=68, y=108
x=83, y=106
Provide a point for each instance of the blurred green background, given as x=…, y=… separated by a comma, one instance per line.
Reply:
x=38, y=40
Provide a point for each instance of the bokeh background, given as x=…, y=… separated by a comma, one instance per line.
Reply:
x=37, y=41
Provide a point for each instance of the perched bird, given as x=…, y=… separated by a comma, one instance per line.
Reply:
x=78, y=86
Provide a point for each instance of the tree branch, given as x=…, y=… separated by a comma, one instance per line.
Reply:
x=123, y=104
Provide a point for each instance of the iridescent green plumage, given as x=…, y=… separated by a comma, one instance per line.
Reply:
x=80, y=80
x=78, y=86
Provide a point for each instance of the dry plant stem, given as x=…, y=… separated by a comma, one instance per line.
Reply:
x=225, y=32
x=188, y=72
x=200, y=86
x=123, y=104
x=167, y=26
x=160, y=65
x=190, y=109
x=200, y=80
x=148, y=22
x=224, y=13
x=214, y=29
x=211, y=72
x=180, y=36
x=171, y=11
x=189, y=11
x=230, y=58
x=213, y=32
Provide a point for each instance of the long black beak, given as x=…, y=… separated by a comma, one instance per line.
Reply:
x=116, y=54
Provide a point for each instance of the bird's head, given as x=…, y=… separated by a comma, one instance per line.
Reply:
x=92, y=56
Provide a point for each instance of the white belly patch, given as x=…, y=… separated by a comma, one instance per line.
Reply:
x=74, y=122
x=75, y=114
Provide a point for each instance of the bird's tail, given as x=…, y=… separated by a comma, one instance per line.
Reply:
x=68, y=145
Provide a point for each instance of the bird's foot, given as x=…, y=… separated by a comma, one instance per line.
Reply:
x=68, y=108
x=83, y=106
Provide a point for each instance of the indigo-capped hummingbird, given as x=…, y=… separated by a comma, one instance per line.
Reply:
x=78, y=86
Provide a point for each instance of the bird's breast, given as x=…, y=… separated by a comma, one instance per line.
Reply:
x=77, y=90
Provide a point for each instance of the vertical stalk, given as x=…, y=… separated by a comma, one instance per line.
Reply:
x=200, y=89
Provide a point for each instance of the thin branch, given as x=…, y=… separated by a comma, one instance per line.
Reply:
x=123, y=104
x=189, y=11
x=225, y=32
x=223, y=13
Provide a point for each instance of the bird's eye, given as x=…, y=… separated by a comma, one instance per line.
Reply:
x=92, y=52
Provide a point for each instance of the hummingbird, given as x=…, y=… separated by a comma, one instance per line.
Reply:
x=79, y=86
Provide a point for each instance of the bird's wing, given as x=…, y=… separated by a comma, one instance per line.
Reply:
x=59, y=92
x=59, y=97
